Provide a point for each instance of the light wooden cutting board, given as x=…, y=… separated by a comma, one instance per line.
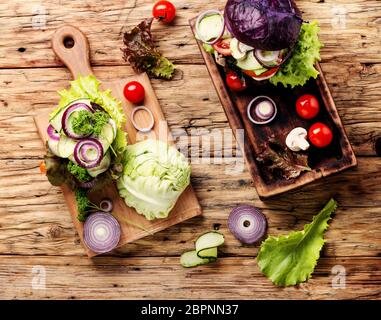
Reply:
x=76, y=58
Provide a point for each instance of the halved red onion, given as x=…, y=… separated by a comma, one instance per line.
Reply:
x=247, y=223
x=101, y=232
x=106, y=205
x=52, y=133
x=87, y=162
x=64, y=121
x=262, y=110
x=202, y=16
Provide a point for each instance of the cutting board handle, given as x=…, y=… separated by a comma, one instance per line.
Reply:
x=72, y=47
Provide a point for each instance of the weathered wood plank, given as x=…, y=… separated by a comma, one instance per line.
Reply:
x=35, y=220
x=164, y=278
x=354, y=39
x=189, y=102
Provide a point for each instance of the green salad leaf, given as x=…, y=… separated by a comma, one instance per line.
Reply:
x=87, y=123
x=154, y=176
x=88, y=88
x=281, y=161
x=78, y=172
x=291, y=259
x=83, y=203
x=141, y=53
x=300, y=67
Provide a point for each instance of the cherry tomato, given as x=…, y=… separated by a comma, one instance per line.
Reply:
x=223, y=47
x=234, y=82
x=164, y=11
x=42, y=167
x=134, y=92
x=268, y=74
x=307, y=106
x=320, y=135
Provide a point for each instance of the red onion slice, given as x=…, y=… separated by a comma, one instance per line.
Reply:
x=86, y=162
x=101, y=232
x=88, y=184
x=52, y=133
x=89, y=152
x=247, y=223
x=270, y=61
x=151, y=122
x=202, y=16
x=106, y=205
x=64, y=121
x=265, y=110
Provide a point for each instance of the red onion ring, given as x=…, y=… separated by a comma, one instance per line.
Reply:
x=52, y=133
x=77, y=153
x=106, y=205
x=66, y=115
x=202, y=16
x=83, y=152
x=101, y=232
x=262, y=115
x=253, y=103
x=88, y=184
x=247, y=223
x=152, y=120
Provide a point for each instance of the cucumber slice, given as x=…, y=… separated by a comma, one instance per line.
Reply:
x=56, y=121
x=66, y=146
x=235, y=49
x=210, y=253
x=249, y=62
x=53, y=146
x=190, y=259
x=258, y=72
x=210, y=27
x=102, y=167
x=107, y=134
x=206, y=250
x=206, y=244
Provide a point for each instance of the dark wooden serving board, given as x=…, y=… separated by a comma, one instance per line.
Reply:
x=323, y=162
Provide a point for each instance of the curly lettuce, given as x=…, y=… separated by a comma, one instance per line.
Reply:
x=154, y=176
x=141, y=53
x=290, y=259
x=301, y=66
x=88, y=88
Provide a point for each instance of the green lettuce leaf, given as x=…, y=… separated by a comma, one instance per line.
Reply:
x=88, y=88
x=300, y=67
x=291, y=259
x=154, y=176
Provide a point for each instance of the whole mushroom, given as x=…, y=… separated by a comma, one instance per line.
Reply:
x=297, y=140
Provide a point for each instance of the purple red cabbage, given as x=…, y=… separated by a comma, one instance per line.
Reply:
x=264, y=24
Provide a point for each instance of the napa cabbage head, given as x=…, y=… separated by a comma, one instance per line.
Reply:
x=154, y=176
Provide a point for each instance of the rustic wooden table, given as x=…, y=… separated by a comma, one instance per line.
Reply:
x=37, y=238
